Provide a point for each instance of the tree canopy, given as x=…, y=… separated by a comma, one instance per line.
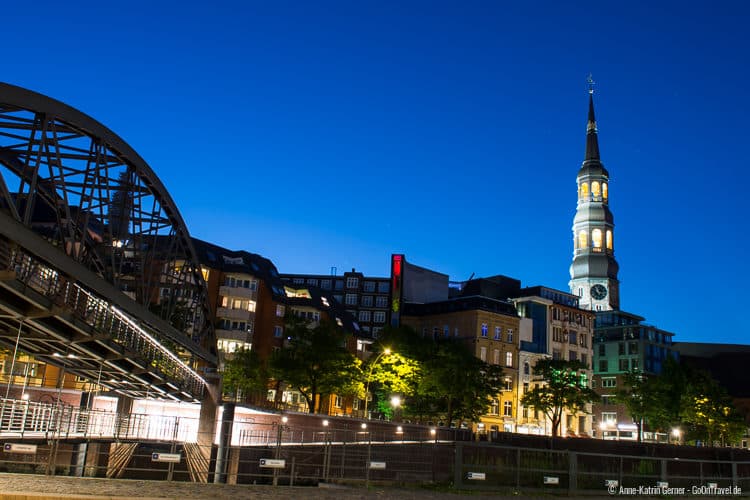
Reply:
x=564, y=386
x=315, y=361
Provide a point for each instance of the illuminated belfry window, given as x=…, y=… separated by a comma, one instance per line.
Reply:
x=609, y=238
x=584, y=191
x=596, y=239
x=605, y=193
x=583, y=239
x=596, y=189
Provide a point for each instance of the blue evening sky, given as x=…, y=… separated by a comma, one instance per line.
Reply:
x=324, y=134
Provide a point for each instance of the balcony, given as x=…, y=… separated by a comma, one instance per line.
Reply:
x=240, y=292
x=238, y=314
x=236, y=335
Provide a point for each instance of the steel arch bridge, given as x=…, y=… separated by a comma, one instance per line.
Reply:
x=97, y=270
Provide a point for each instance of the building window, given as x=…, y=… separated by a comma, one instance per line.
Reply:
x=596, y=189
x=572, y=337
x=498, y=332
x=298, y=281
x=383, y=286
x=603, y=366
x=583, y=239
x=508, y=384
x=526, y=368
x=572, y=355
x=351, y=299
x=585, y=359
x=510, y=335
x=621, y=348
x=364, y=316
x=609, y=382
x=509, y=359
x=557, y=334
x=494, y=407
x=584, y=341
x=607, y=399
x=610, y=245
x=325, y=284
x=623, y=365
x=602, y=350
x=633, y=348
x=507, y=409
x=379, y=316
x=525, y=387
x=496, y=356
x=484, y=330
x=446, y=331
x=609, y=418
x=369, y=286
x=352, y=282
x=483, y=353
x=556, y=354
x=367, y=300
x=278, y=331
x=455, y=332
x=381, y=301
x=338, y=401
x=312, y=281
x=633, y=364
x=376, y=331
x=279, y=310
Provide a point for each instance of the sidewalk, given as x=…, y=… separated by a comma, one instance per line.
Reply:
x=38, y=487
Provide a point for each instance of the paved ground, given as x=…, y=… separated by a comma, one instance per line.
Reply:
x=38, y=487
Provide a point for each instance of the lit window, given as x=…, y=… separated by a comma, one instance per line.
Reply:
x=508, y=384
x=279, y=310
x=584, y=190
x=484, y=329
x=251, y=305
x=583, y=239
x=605, y=194
x=609, y=239
x=496, y=357
x=498, y=332
x=446, y=331
x=596, y=238
x=483, y=353
x=278, y=331
x=509, y=359
x=510, y=335
x=507, y=409
x=596, y=189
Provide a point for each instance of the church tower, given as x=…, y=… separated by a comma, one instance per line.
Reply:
x=593, y=273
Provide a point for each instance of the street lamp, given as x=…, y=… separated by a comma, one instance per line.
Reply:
x=395, y=403
x=386, y=351
x=677, y=434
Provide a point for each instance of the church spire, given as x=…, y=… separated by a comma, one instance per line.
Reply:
x=592, y=140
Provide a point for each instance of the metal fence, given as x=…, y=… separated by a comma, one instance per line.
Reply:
x=287, y=453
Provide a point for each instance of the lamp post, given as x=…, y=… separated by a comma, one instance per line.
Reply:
x=386, y=351
x=395, y=403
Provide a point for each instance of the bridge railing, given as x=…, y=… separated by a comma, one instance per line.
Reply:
x=33, y=420
x=101, y=316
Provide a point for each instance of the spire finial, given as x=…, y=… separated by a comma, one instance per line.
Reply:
x=590, y=81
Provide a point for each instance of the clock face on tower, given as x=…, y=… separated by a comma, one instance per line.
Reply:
x=598, y=292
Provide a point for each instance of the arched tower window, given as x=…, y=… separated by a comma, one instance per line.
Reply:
x=583, y=239
x=596, y=189
x=609, y=238
x=584, y=190
x=605, y=193
x=596, y=238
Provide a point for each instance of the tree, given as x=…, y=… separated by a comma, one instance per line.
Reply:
x=315, y=361
x=638, y=396
x=709, y=412
x=565, y=387
x=451, y=382
x=245, y=374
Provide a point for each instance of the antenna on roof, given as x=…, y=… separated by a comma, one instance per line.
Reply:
x=333, y=270
x=472, y=275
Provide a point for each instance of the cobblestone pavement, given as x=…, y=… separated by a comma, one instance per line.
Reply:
x=38, y=487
